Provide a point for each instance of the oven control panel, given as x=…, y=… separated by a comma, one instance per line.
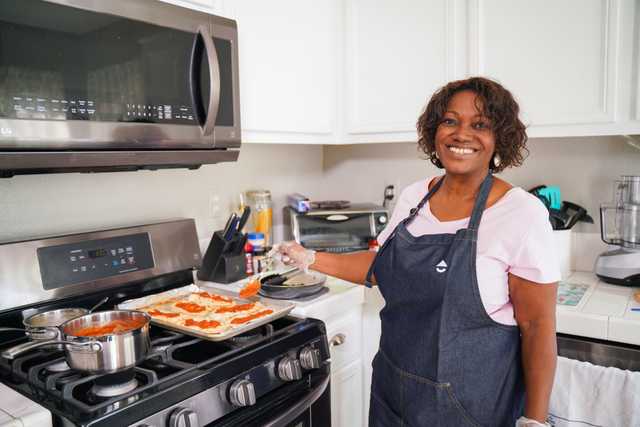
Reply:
x=246, y=389
x=81, y=262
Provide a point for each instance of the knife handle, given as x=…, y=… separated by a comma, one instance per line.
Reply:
x=244, y=218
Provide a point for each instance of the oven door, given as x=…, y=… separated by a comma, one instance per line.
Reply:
x=305, y=403
x=122, y=74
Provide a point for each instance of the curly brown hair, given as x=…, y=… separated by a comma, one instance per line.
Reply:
x=496, y=103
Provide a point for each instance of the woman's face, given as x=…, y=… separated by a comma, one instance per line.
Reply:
x=465, y=141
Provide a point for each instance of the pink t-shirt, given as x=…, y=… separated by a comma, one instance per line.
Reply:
x=514, y=236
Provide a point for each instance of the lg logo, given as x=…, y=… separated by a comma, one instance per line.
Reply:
x=6, y=131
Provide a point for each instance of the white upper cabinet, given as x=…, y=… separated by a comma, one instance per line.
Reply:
x=351, y=71
x=288, y=69
x=566, y=62
x=398, y=52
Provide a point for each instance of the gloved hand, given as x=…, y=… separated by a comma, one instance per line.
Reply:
x=294, y=254
x=528, y=422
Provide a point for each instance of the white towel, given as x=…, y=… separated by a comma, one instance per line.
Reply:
x=587, y=395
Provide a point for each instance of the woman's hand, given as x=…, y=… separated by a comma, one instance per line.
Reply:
x=294, y=254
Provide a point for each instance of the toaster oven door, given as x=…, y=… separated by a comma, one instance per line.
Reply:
x=335, y=232
x=121, y=75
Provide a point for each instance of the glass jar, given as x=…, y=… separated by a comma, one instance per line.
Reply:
x=261, y=213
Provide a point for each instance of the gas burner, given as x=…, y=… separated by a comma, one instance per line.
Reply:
x=253, y=334
x=115, y=384
x=58, y=367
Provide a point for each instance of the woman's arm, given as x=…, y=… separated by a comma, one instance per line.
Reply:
x=350, y=267
x=535, y=311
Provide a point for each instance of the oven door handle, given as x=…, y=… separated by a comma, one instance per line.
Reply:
x=299, y=407
x=214, y=80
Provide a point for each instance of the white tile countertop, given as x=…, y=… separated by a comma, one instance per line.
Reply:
x=603, y=312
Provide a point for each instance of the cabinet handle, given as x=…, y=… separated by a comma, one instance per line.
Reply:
x=337, y=339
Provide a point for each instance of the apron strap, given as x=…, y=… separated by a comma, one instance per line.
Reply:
x=412, y=214
x=480, y=203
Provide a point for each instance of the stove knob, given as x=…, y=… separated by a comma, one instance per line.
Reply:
x=183, y=417
x=289, y=369
x=309, y=358
x=242, y=393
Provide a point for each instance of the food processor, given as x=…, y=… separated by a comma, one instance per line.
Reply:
x=620, y=226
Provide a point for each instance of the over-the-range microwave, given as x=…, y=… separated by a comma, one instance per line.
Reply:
x=91, y=85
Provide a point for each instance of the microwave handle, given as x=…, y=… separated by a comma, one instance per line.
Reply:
x=214, y=78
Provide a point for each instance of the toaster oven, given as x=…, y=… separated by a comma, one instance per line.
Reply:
x=335, y=230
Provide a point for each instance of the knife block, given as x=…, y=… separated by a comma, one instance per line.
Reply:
x=224, y=260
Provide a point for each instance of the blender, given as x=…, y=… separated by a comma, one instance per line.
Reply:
x=620, y=226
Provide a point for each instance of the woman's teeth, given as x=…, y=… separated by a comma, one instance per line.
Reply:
x=458, y=150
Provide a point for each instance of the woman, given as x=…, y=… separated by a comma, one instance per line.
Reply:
x=468, y=275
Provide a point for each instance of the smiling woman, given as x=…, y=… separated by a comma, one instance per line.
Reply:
x=493, y=112
x=468, y=275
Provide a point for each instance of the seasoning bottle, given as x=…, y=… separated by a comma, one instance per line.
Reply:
x=262, y=213
x=373, y=245
x=248, y=258
x=256, y=240
x=259, y=260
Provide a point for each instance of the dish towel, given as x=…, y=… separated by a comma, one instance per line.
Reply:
x=587, y=395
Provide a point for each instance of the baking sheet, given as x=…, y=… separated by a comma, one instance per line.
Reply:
x=280, y=309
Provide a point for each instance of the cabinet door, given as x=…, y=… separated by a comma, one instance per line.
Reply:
x=346, y=396
x=288, y=81
x=560, y=59
x=398, y=53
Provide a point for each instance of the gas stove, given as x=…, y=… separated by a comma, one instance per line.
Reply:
x=276, y=374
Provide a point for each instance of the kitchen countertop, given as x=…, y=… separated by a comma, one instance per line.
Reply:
x=603, y=312
x=341, y=296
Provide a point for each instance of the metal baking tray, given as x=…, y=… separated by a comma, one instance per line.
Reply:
x=280, y=309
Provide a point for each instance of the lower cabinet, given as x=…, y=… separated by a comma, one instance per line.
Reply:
x=346, y=396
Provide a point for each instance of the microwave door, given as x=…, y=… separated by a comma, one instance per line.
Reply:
x=88, y=79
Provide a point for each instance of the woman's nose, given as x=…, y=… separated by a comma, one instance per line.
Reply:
x=463, y=133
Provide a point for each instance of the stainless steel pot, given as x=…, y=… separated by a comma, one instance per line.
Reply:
x=98, y=354
x=45, y=326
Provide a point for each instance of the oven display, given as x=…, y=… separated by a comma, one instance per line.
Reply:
x=82, y=262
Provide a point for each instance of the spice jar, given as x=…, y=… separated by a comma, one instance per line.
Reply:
x=261, y=213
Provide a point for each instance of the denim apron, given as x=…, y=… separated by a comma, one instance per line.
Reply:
x=442, y=360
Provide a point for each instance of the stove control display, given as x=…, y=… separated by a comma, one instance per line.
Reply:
x=82, y=262
x=289, y=369
x=242, y=393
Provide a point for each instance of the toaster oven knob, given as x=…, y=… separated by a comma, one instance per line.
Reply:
x=242, y=393
x=309, y=358
x=183, y=417
x=382, y=219
x=289, y=369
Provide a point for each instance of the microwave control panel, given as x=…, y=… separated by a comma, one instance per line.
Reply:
x=36, y=107
x=81, y=262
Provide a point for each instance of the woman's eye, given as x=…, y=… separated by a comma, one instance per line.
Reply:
x=481, y=125
x=447, y=121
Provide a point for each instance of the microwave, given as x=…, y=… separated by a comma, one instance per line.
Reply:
x=94, y=85
x=335, y=230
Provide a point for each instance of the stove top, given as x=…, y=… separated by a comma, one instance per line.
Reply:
x=183, y=380
x=177, y=367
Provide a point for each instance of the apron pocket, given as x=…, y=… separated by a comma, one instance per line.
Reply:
x=381, y=415
x=461, y=410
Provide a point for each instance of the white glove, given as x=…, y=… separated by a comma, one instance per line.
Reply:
x=294, y=254
x=528, y=422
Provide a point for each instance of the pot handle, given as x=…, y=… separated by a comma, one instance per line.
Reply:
x=3, y=329
x=89, y=346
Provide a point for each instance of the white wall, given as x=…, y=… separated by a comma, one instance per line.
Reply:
x=584, y=168
x=38, y=205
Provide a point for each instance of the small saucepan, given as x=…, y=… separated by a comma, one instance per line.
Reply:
x=45, y=326
x=99, y=343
